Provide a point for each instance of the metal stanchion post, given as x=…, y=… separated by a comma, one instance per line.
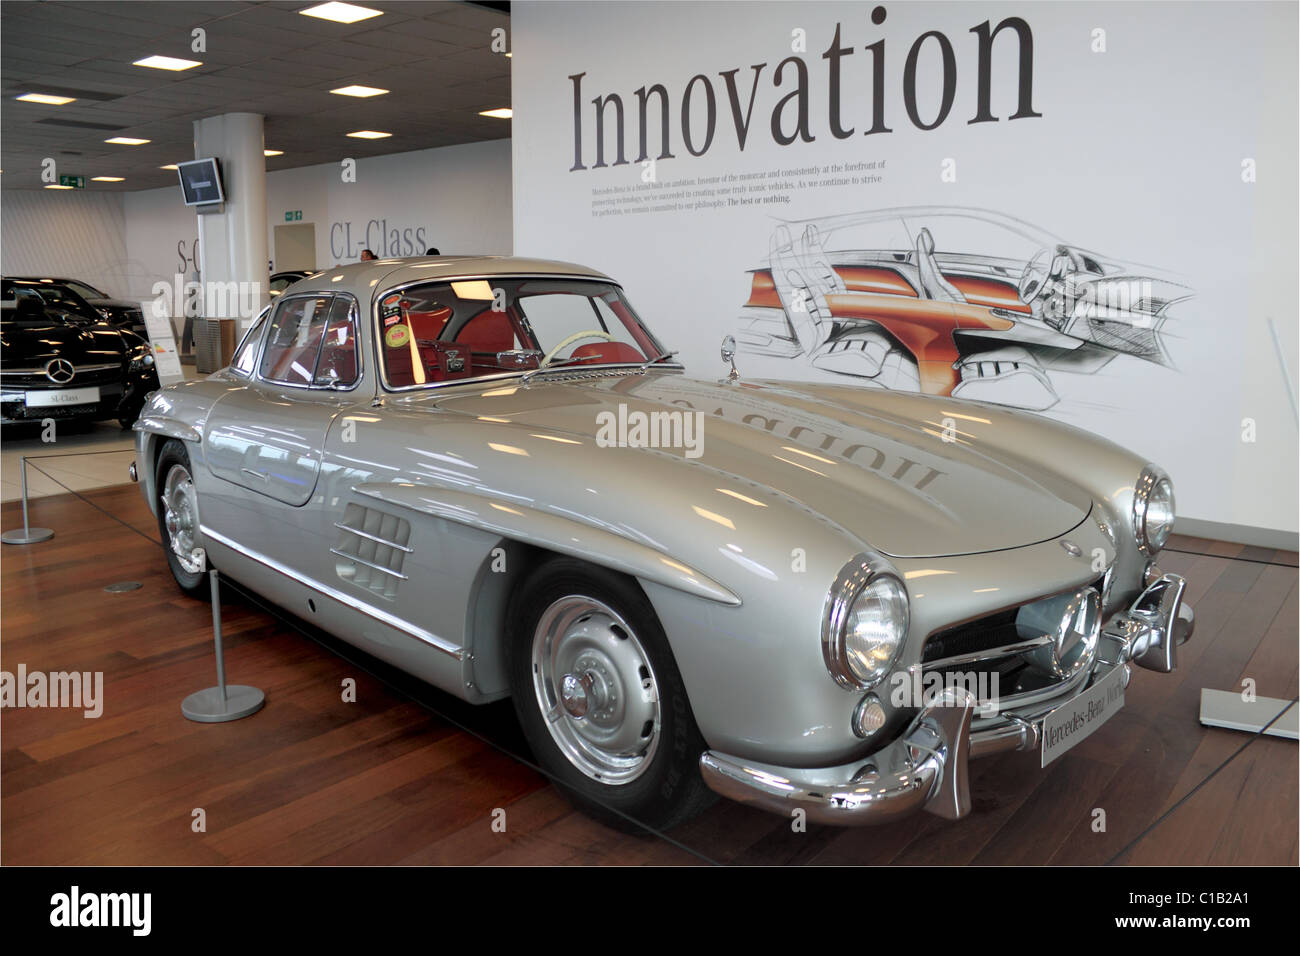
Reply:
x=221, y=703
x=28, y=535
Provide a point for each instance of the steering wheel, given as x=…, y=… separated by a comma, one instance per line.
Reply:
x=1034, y=279
x=576, y=336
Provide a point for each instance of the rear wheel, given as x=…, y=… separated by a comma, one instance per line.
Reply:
x=601, y=700
x=178, y=519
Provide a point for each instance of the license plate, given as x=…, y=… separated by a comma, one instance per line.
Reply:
x=51, y=397
x=1073, y=722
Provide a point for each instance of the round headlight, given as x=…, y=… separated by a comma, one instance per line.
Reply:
x=1153, y=509
x=865, y=624
x=877, y=624
x=1160, y=514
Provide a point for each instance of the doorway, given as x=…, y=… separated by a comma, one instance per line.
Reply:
x=295, y=247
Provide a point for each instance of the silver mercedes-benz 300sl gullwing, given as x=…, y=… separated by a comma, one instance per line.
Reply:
x=490, y=473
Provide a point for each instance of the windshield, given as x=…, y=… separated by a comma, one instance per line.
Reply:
x=85, y=291
x=450, y=331
x=56, y=296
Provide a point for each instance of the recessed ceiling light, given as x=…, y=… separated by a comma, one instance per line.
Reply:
x=126, y=141
x=504, y=112
x=107, y=179
x=169, y=166
x=47, y=98
x=509, y=56
x=57, y=186
x=167, y=63
x=359, y=91
x=341, y=12
x=272, y=152
x=369, y=134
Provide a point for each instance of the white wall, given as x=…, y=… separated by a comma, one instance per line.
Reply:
x=457, y=198
x=1138, y=155
x=70, y=233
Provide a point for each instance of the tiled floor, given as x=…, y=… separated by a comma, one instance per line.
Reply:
x=85, y=456
x=82, y=455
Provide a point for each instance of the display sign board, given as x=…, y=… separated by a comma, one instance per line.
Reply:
x=162, y=338
x=1039, y=206
x=76, y=182
x=1075, y=720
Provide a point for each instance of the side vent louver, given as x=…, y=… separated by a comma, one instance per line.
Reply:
x=371, y=549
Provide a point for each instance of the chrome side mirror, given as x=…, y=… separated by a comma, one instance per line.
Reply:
x=729, y=355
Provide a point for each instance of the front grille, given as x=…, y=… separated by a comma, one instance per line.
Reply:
x=1016, y=677
x=996, y=630
x=97, y=373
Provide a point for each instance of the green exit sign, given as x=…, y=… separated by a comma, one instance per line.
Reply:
x=76, y=182
x=293, y=215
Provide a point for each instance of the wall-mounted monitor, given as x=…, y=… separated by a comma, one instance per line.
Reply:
x=201, y=182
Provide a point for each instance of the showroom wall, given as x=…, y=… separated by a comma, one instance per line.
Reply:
x=456, y=198
x=1159, y=139
x=73, y=233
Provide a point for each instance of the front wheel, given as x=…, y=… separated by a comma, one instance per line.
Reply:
x=600, y=698
x=178, y=520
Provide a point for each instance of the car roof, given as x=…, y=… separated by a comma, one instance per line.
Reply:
x=47, y=280
x=366, y=278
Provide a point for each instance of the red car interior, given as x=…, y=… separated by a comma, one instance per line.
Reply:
x=609, y=352
x=444, y=343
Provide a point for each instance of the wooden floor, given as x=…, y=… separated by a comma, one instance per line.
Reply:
x=408, y=775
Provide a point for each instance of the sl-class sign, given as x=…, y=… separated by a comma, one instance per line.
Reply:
x=293, y=215
x=76, y=182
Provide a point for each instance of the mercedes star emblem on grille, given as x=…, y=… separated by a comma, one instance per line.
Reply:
x=1071, y=548
x=60, y=371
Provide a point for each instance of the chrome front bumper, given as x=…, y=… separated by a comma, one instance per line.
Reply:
x=926, y=768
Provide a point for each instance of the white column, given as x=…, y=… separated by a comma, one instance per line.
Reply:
x=233, y=243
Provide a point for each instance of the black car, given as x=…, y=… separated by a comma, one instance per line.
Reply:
x=282, y=280
x=53, y=367
x=81, y=298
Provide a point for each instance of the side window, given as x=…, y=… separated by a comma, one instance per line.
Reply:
x=19, y=293
x=338, y=366
x=246, y=354
x=294, y=340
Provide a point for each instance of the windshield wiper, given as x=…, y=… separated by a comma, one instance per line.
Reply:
x=561, y=363
x=658, y=358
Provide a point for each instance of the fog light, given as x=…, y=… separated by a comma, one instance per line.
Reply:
x=868, y=716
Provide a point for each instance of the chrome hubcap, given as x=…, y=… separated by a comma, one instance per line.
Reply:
x=180, y=517
x=596, y=689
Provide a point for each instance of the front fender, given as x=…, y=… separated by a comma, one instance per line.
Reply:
x=564, y=535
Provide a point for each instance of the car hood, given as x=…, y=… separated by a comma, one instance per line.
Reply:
x=887, y=477
x=115, y=304
x=38, y=341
